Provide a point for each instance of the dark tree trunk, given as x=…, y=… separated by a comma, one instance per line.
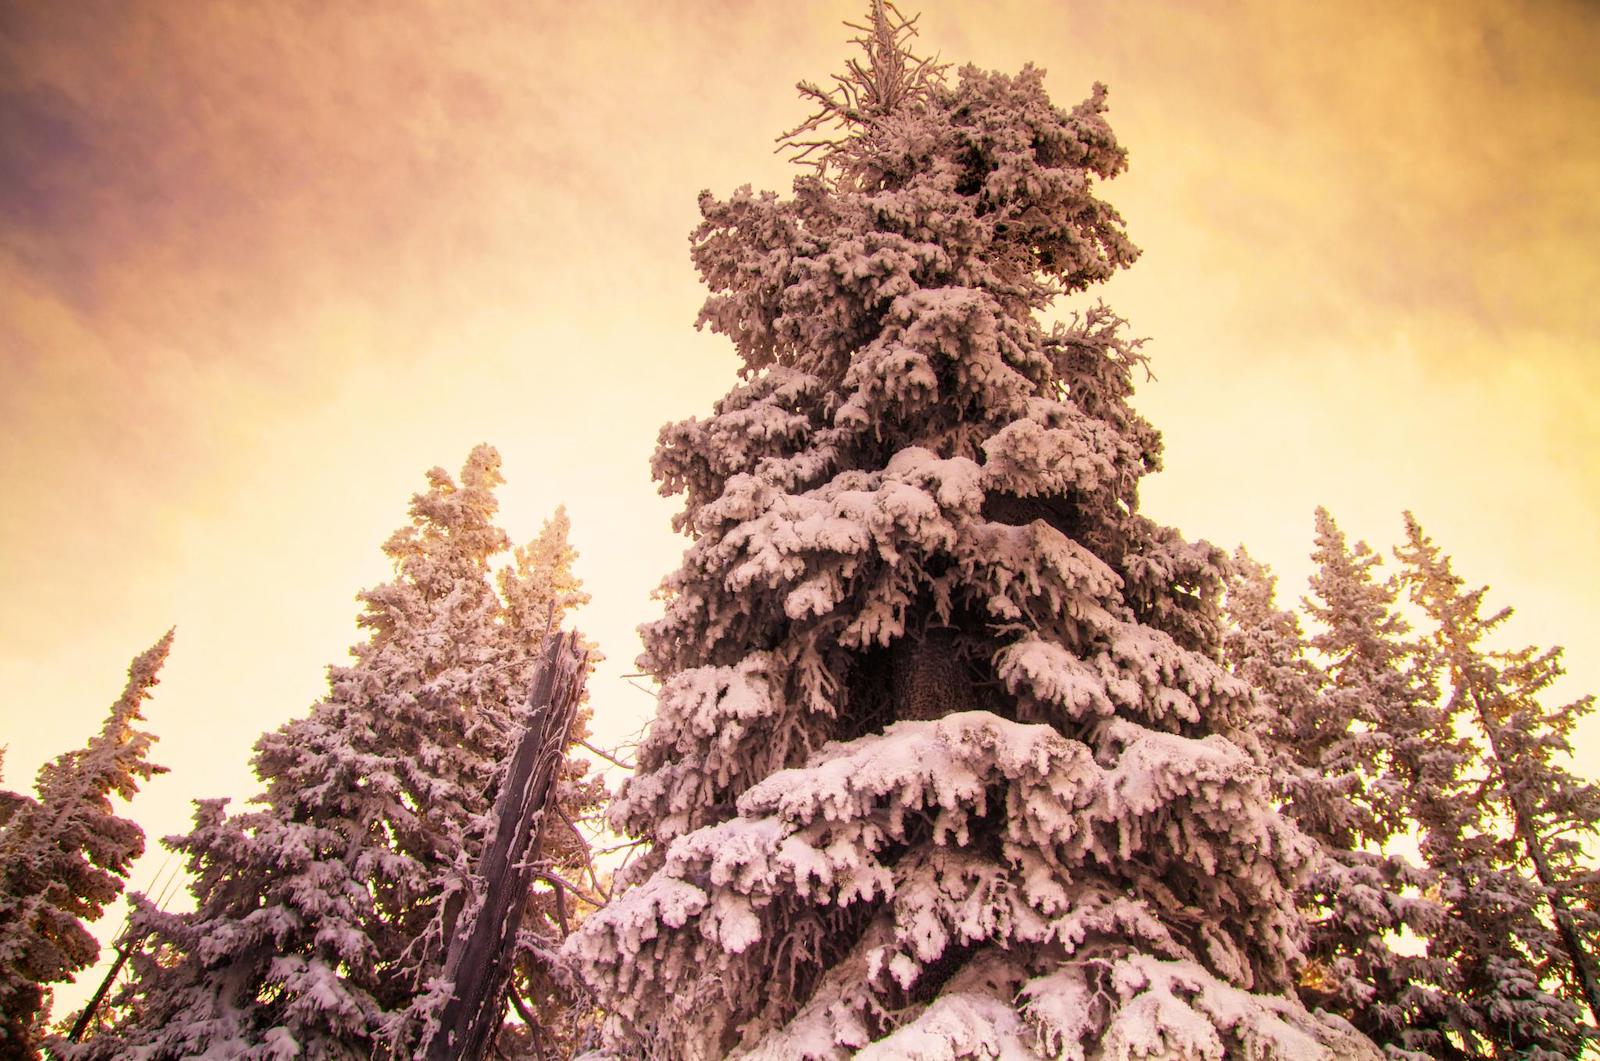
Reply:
x=482, y=950
x=81, y=1025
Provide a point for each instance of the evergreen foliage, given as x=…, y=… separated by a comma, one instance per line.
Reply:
x=1520, y=891
x=65, y=856
x=945, y=762
x=1381, y=738
x=310, y=936
x=1356, y=746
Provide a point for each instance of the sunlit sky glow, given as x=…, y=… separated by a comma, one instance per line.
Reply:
x=262, y=265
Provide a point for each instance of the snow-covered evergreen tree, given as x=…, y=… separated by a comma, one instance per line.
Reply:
x=1382, y=682
x=1521, y=891
x=945, y=763
x=1356, y=744
x=1265, y=646
x=65, y=855
x=309, y=937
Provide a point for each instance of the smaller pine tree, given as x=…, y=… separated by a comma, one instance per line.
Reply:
x=1319, y=774
x=65, y=856
x=1519, y=887
x=310, y=934
x=1388, y=761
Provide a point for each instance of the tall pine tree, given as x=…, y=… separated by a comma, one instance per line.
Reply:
x=945, y=763
x=309, y=937
x=1521, y=890
x=65, y=856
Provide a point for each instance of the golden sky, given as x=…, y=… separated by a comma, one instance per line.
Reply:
x=262, y=265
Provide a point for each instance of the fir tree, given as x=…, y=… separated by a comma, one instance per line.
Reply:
x=944, y=763
x=309, y=937
x=1521, y=891
x=1356, y=745
x=1382, y=682
x=65, y=856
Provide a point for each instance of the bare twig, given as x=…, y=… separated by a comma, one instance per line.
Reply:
x=607, y=756
x=553, y=878
x=588, y=860
x=622, y=846
x=889, y=79
x=561, y=909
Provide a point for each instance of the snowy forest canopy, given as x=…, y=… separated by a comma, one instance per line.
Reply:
x=956, y=752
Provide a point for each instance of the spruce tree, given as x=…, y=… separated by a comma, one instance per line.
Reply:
x=65, y=856
x=1382, y=681
x=1360, y=754
x=1521, y=889
x=309, y=937
x=945, y=763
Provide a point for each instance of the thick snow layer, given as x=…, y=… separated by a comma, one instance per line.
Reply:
x=815, y=834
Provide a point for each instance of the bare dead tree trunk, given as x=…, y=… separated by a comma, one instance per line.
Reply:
x=480, y=956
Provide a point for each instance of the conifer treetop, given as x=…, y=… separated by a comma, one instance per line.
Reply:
x=451, y=533
x=65, y=856
x=980, y=188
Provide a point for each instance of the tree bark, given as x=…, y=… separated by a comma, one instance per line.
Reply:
x=480, y=956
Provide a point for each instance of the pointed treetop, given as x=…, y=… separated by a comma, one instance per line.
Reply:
x=115, y=761
x=1438, y=589
x=142, y=671
x=142, y=676
x=119, y=757
x=65, y=856
x=542, y=578
x=452, y=525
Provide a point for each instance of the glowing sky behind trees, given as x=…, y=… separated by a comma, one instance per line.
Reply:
x=261, y=266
